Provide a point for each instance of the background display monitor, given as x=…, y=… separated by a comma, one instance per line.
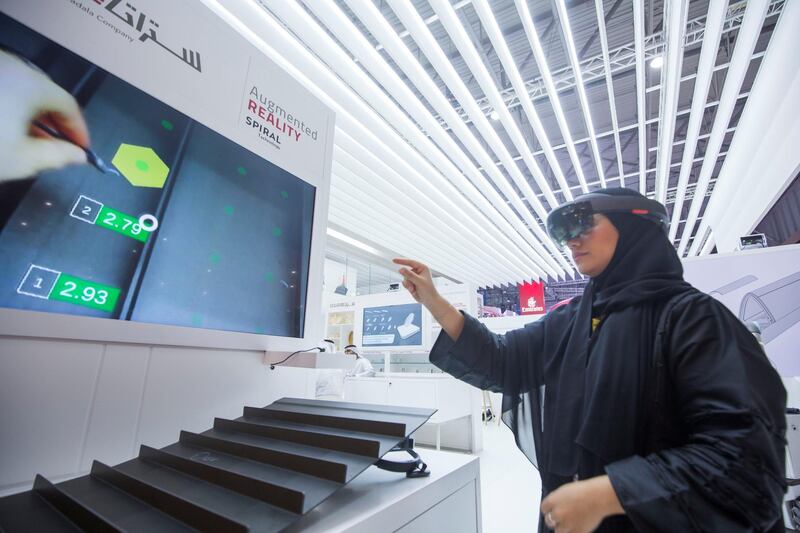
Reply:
x=392, y=326
x=174, y=224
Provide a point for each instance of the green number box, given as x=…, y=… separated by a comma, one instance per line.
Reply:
x=86, y=293
x=121, y=223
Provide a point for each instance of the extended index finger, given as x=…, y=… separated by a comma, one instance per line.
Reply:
x=416, y=265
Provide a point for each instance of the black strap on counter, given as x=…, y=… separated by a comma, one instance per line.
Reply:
x=412, y=468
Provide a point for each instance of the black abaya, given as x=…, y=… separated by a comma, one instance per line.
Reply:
x=670, y=395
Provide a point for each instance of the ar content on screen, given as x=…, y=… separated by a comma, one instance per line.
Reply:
x=190, y=228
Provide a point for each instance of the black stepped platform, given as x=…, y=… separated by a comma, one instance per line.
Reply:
x=260, y=472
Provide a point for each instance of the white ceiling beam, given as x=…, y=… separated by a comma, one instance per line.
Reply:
x=482, y=223
x=384, y=193
x=641, y=105
x=572, y=53
x=554, y=265
x=337, y=61
x=509, y=66
x=601, y=26
x=419, y=208
x=430, y=20
x=366, y=199
x=376, y=229
x=456, y=31
x=675, y=12
x=623, y=58
x=699, y=138
x=541, y=62
x=670, y=191
x=343, y=217
x=441, y=207
x=355, y=198
x=341, y=26
x=693, y=75
x=740, y=61
x=705, y=68
x=709, y=245
x=635, y=125
x=763, y=158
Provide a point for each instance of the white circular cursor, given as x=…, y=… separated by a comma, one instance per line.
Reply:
x=148, y=222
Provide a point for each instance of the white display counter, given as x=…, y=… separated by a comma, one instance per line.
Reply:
x=447, y=501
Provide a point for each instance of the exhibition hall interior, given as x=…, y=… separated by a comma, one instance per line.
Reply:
x=400, y=265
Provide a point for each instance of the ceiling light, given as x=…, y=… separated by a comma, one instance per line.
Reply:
x=494, y=116
x=353, y=242
x=657, y=62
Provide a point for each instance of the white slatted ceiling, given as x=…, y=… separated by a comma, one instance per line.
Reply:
x=421, y=168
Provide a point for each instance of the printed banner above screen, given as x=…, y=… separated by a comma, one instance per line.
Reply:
x=157, y=168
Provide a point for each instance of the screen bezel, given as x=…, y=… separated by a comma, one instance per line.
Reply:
x=38, y=324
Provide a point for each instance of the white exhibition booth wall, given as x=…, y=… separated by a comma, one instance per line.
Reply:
x=78, y=388
x=761, y=285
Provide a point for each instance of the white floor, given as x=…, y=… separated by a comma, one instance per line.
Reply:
x=510, y=485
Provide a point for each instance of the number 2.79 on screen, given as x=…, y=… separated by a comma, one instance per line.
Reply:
x=94, y=212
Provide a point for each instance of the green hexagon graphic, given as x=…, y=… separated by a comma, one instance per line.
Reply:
x=141, y=166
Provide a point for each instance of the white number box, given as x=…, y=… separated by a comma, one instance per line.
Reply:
x=86, y=209
x=38, y=282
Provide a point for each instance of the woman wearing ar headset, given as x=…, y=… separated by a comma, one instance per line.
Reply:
x=645, y=404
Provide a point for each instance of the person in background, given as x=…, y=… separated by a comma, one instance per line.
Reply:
x=363, y=367
x=645, y=404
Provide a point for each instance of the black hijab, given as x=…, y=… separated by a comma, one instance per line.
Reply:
x=644, y=268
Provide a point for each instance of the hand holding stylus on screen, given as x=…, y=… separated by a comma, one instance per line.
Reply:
x=28, y=96
x=417, y=279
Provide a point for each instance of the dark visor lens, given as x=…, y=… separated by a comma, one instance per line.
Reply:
x=570, y=222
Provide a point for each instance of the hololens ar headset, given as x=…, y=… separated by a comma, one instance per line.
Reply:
x=576, y=218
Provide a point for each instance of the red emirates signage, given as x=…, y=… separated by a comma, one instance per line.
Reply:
x=531, y=298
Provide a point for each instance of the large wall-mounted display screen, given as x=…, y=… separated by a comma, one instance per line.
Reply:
x=392, y=326
x=169, y=222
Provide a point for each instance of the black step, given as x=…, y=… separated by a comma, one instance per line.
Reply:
x=300, y=453
x=369, y=445
x=27, y=511
x=382, y=419
x=397, y=412
x=81, y=515
x=324, y=417
x=119, y=510
x=153, y=495
x=320, y=468
x=385, y=443
x=193, y=465
x=293, y=491
x=237, y=508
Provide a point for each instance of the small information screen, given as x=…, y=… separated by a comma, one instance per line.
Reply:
x=392, y=325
